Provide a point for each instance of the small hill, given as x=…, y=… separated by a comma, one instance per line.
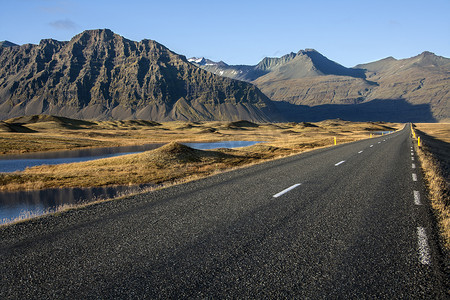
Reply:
x=242, y=123
x=175, y=153
x=56, y=120
x=6, y=127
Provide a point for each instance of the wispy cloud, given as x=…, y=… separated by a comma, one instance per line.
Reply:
x=63, y=24
x=57, y=6
x=394, y=23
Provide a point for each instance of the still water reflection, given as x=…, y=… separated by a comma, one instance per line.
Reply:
x=227, y=144
x=11, y=163
x=14, y=204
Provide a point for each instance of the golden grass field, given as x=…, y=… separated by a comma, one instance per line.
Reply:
x=434, y=155
x=170, y=163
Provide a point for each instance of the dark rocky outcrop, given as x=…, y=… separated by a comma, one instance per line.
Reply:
x=101, y=75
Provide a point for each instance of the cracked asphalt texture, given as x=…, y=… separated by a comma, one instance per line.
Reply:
x=348, y=231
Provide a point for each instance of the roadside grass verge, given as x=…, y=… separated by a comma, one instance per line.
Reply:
x=434, y=156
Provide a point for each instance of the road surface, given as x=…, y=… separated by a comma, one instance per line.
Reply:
x=350, y=221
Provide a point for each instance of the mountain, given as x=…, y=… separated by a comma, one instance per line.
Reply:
x=101, y=75
x=308, y=86
x=7, y=44
x=244, y=73
x=304, y=63
x=420, y=80
x=425, y=60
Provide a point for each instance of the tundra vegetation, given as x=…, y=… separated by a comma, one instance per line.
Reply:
x=171, y=163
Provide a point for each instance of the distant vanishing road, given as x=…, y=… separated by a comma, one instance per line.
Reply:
x=347, y=222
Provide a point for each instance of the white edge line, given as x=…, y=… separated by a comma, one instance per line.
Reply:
x=286, y=190
x=341, y=162
x=424, y=249
x=417, y=198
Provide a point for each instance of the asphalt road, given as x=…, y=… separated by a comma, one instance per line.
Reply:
x=349, y=221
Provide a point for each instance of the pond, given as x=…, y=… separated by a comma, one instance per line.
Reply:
x=227, y=144
x=11, y=163
x=36, y=202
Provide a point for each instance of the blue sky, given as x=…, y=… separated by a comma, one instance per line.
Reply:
x=243, y=32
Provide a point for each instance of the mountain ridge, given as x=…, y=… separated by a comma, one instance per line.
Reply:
x=307, y=78
x=99, y=75
x=316, y=65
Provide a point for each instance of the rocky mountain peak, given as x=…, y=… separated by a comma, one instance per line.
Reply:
x=7, y=44
x=201, y=61
x=427, y=53
x=99, y=74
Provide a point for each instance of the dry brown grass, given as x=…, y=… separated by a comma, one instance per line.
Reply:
x=52, y=135
x=166, y=164
x=172, y=162
x=434, y=155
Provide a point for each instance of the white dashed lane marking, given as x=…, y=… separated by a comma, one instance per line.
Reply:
x=417, y=198
x=341, y=162
x=424, y=249
x=286, y=190
x=414, y=176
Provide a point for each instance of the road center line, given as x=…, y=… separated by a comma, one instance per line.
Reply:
x=417, y=198
x=414, y=176
x=413, y=166
x=341, y=162
x=286, y=190
x=424, y=249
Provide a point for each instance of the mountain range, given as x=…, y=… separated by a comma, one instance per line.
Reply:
x=101, y=75
x=308, y=86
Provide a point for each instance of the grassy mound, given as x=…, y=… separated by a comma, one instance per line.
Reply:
x=241, y=124
x=6, y=127
x=48, y=118
x=168, y=163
